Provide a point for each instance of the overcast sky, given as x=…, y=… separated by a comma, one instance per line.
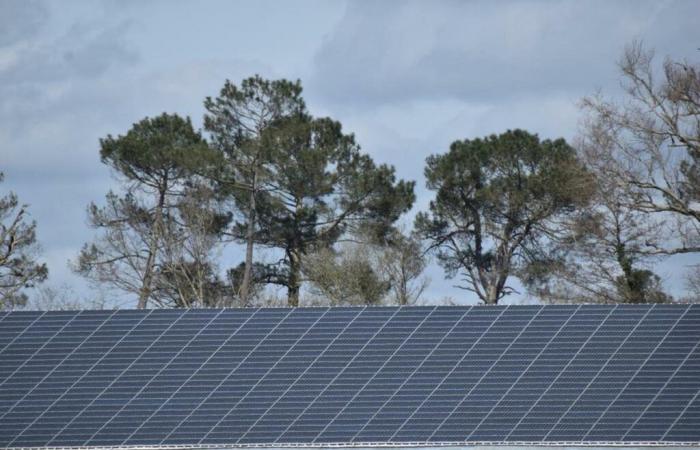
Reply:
x=407, y=77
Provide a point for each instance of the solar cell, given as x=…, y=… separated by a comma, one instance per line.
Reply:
x=556, y=373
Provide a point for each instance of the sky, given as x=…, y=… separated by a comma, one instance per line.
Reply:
x=407, y=77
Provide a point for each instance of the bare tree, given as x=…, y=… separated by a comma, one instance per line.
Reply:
x=650, y=142
x=65, y=298
x=18, y=252
x=605, y=256
x=188, y=275
x=692, y=284
x=402, y=260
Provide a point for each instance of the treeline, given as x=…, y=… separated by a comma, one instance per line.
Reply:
x=574, y=222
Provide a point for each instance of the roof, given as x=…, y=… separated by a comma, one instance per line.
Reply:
x=577, y=375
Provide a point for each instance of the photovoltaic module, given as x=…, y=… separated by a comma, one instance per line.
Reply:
x=586, y=374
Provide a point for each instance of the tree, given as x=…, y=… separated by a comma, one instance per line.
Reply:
x=692, y=283
x=320, y=187
x=188, y=275
x=603, y=255
x=18, y=252
x=345, y=277
x=401, y=260
x=235, y=121
x=153, y=161
x=65, y=298
x=497, y=203
x=365, y=270
x=650, y=142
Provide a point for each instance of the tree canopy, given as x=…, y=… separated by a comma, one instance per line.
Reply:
x=496, y=203
x=571, y=223
x=151, y=235
x=322, y=186
x=236, y=121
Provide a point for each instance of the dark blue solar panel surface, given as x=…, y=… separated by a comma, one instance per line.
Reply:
x=592, y=373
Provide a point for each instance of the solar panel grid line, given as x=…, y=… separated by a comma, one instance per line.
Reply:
x=444, y=378
x=416, y=328
x=484, y=375
x=2, y=382
x=562, y=371
x=607, y=362
x=473, y=373
x=338, y=374
x=3, y=315
x=224, y=379
x=532, y=362
x=227, y=377
x=692, y=400
x=416, y=369
x=319, y=356
x=193, y=374
x=160, y=371
x=27, y=361
x=26, y=328
x=665, y=385
x=52, y=371
x=114, y=380
x=383, y=444
x=269, y=370
x=636, y=372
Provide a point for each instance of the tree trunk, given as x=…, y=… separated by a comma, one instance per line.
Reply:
x=294, y=255
x=145, y=291
x=294, y=278
x=492, y=294
x=244, y=290
x=403, y=287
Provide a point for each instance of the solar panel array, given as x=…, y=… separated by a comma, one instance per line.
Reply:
x=593, y=373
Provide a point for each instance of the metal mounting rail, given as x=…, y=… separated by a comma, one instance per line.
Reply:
x=375, y=444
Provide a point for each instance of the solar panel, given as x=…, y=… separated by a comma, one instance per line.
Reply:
x=354, y=376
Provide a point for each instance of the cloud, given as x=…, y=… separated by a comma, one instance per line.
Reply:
x=392, y=51
x=54, y=84
x=58, y=92
x=70, y=80
x=408, y=78
x=20, y=20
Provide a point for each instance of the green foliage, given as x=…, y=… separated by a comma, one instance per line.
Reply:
x=155, y=239
x=240, y=162
x=236, y=120
x=641, y=286
x=322, y=187
x=496, y=202
x=345, y=277
x=297, y=183
x=238, y=116
x=637, y=285
x=156, y=152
